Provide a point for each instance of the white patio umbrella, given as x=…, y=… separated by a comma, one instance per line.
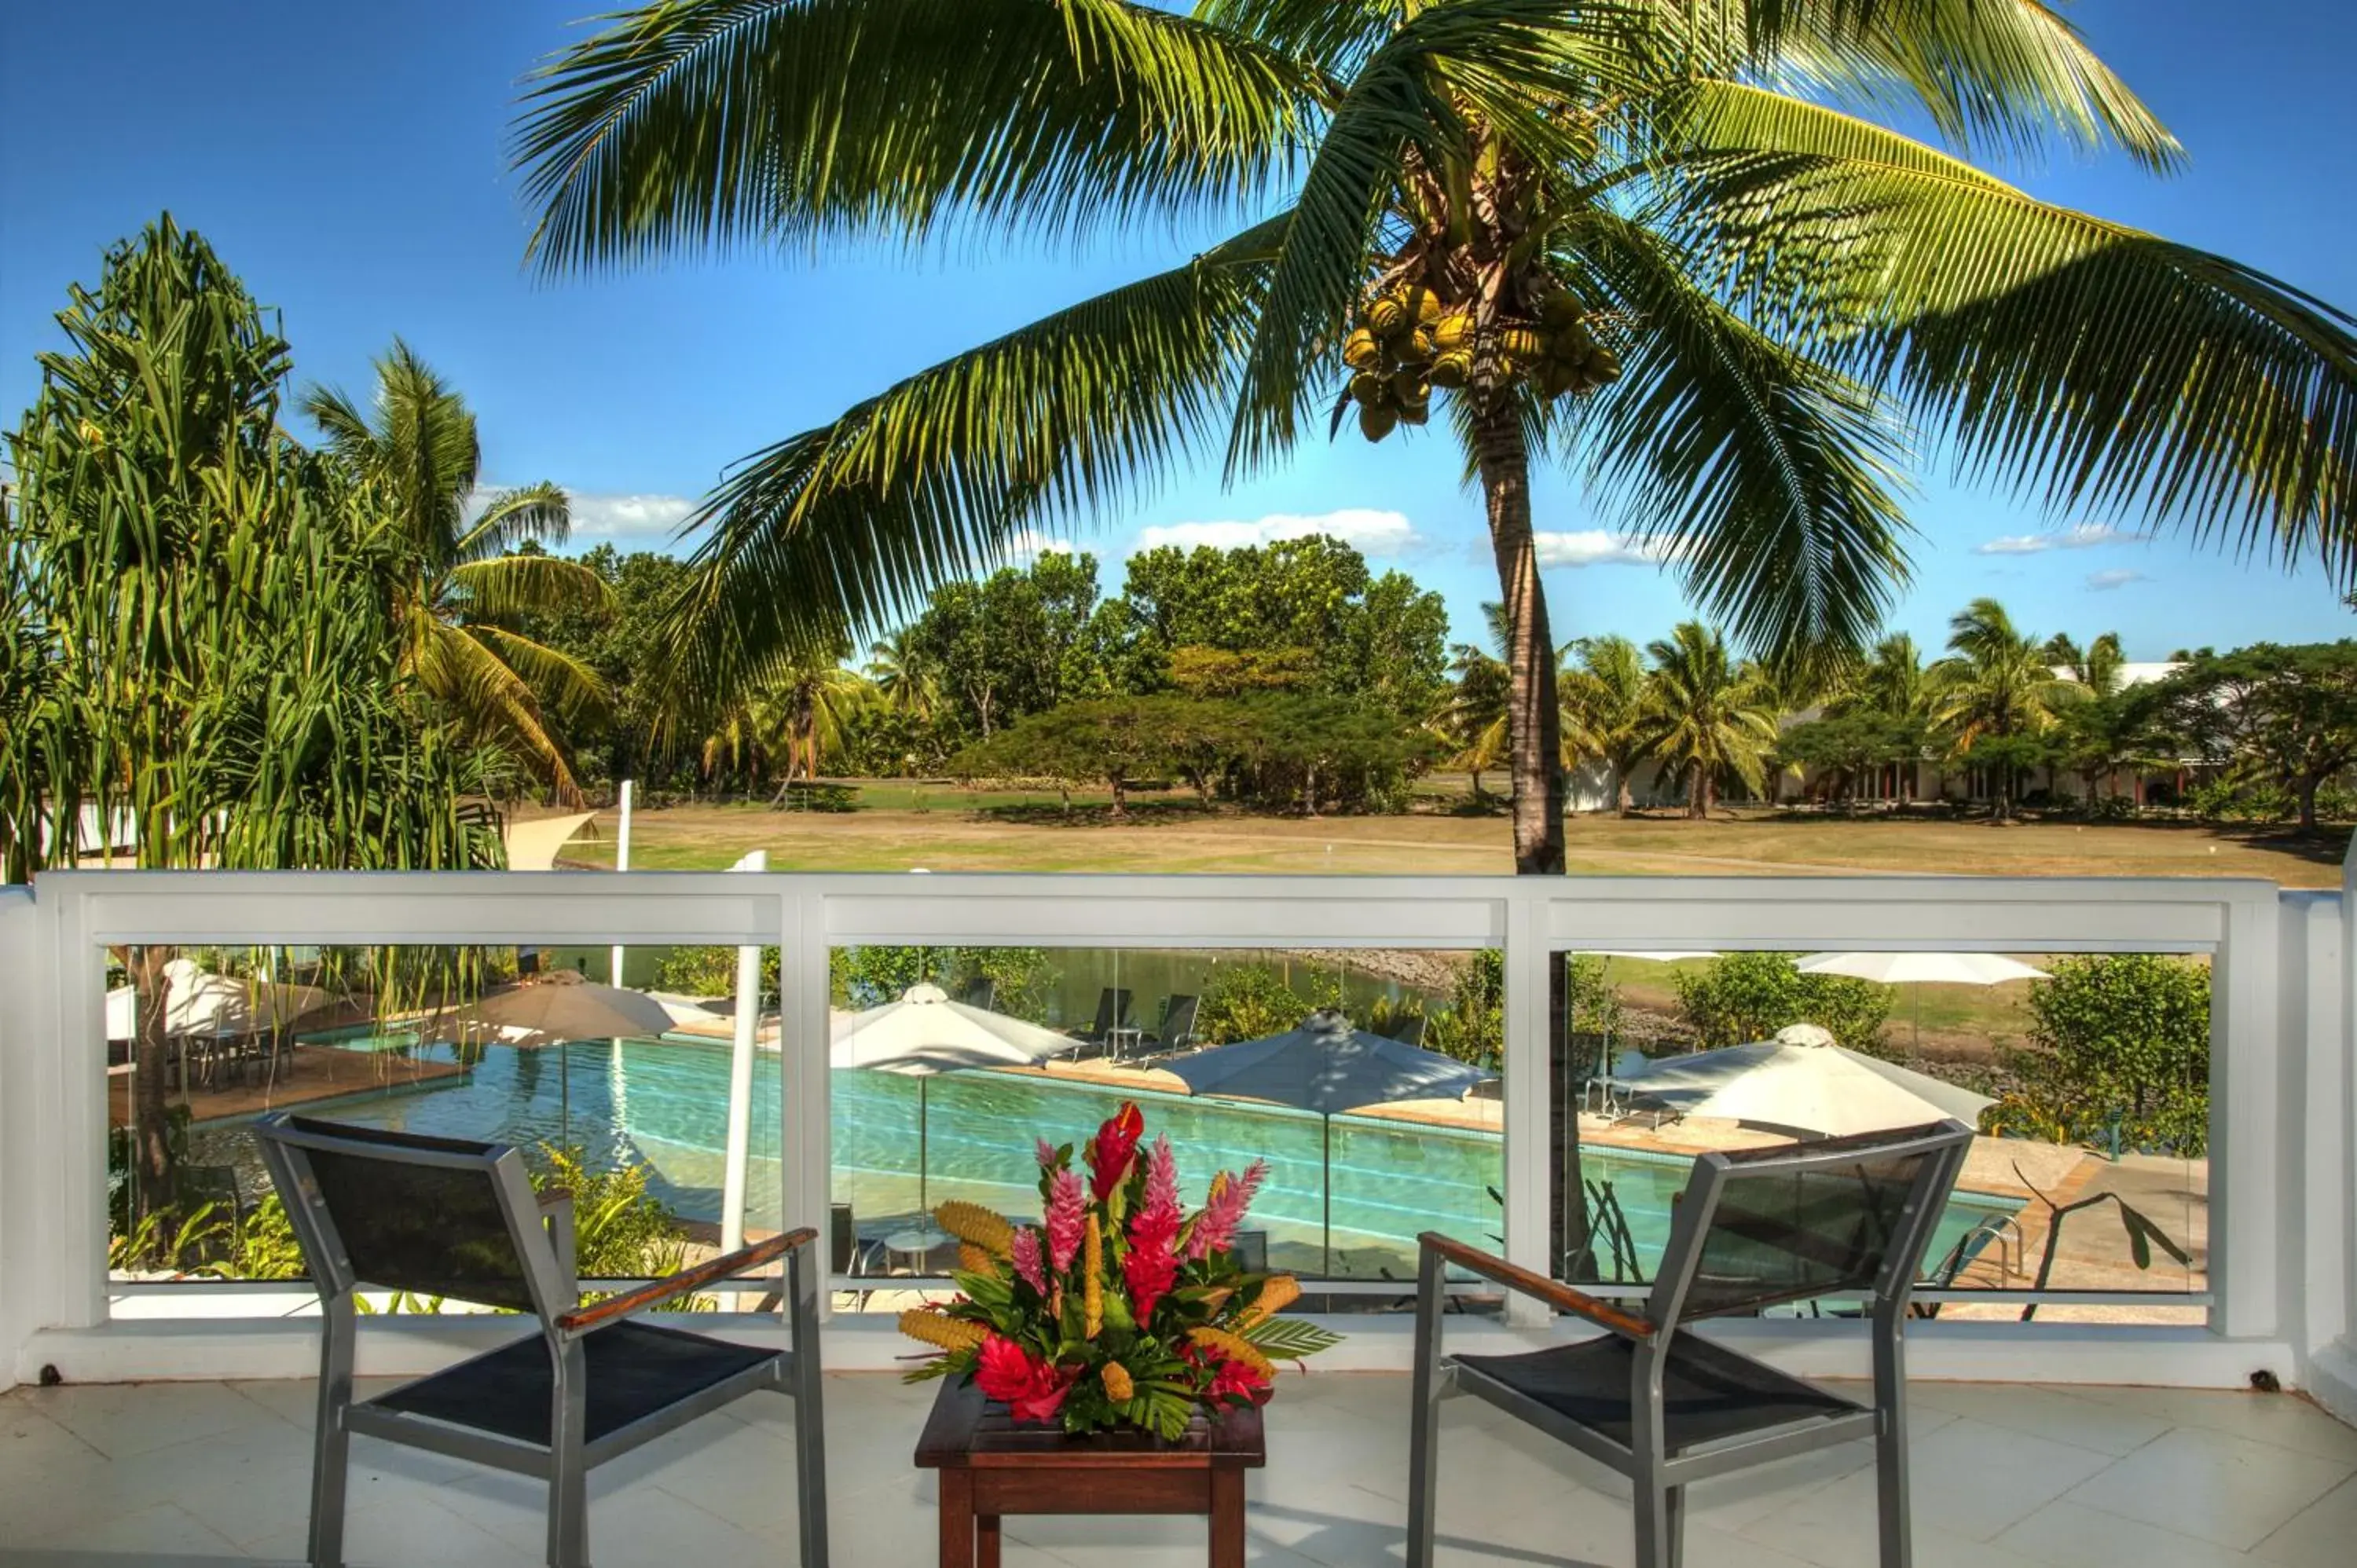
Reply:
x=199, y=1002
x=924, y=1033
x=1918, y=970
x=1324, y=1064
x=1801, y=1082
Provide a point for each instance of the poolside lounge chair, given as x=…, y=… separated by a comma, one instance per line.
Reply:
x=1112, y=1020
x=439, y=1216
x=1667, y=1408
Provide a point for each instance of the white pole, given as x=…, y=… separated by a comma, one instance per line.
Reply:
x=622, y=863
x=740, y=1081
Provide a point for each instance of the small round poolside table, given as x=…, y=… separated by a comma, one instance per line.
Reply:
x=990, y=1468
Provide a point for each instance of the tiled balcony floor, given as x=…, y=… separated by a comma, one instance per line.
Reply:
x=2005, y=1477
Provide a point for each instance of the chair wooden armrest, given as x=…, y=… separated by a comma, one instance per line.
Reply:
x=554, y=1198
x=684, y=1283
x=1555, y=1293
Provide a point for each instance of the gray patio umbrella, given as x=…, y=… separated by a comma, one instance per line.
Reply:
x=554, y=1010
x=1326, y=1066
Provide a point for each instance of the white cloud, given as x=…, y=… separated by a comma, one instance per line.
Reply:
x=1028, y=545
x=2105, y=582
x=643, y=518
x=2086, y=536
x=1372, y=532
x=1595, y=547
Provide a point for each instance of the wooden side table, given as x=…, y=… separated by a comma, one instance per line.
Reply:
x=991, y=1467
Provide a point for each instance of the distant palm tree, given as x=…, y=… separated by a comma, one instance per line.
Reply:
x=786, y=723
x=1893, y=682
x=903, y=675
x=1998, y=686
x=462, y=597
x=1705, y=715
x=1474, y=718
x=2100, y=666
x=1603, y=686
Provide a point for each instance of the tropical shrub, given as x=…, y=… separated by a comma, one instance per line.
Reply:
x=1749, y=995
x=2120, y=1052
x=871, y=975
x=1248, y=1001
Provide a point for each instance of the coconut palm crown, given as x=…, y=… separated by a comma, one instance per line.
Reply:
x=466, y=594
x=1669, y=244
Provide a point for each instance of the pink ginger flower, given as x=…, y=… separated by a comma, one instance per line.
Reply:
x=1026, y=1251
x=1216, y=1226
x=1067, y=1219
x=1153, y=1261
x=1047, y=1152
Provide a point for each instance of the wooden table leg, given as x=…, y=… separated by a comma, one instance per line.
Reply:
x=957, y=1518
x=986, y=1540
x=1227, y=1517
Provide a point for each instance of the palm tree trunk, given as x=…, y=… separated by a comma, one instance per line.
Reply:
x=151, y=1117
x=1534, y=721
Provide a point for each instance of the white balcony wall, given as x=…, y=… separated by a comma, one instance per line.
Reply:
x=2284, y=1123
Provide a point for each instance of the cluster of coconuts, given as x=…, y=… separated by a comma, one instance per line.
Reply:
x=1407, y=342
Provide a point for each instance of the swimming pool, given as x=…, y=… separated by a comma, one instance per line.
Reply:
x=664, y=1104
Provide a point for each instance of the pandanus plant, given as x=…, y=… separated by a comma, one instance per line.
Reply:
x=1786, y=289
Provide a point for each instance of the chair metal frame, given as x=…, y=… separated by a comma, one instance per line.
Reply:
x=1660, y=1478
x=540, y=1229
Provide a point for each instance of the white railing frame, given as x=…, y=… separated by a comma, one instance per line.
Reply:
x=52, y=1086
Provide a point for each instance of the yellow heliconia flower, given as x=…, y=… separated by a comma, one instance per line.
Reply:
x=1092, y=1285
x=973, y=1222
x=975, y=1261
x=1281, y=1291
x=950, y=1334
x=1234, y=1346
x=1117, y=1385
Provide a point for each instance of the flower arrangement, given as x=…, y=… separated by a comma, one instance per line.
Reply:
x=1119, y=1308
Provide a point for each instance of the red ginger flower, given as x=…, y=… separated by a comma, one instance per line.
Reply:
x=1153, y=1261
x=1066, y=1219
x=1112, y=1151
x=1239, y=1380
x=1215, y=1228
x=1031, y=1389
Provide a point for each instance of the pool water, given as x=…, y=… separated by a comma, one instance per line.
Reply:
x=664, y=1104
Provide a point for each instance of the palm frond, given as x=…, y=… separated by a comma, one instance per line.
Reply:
x=2008, y=76
x=850, y=524
x=2091, y=364
x=508, y=588
x=712, y=122
x=491, y=700
x=1765, y=479
x=542, y=513
x=558, y=678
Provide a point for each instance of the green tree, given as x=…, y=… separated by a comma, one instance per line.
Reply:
x=1706, y=717
x=904, y=674
x=1848, y=747
x=2099, y=666
x=785, y=723
x=1743, y=287
x=1997, y=694
x=1110, y=741
x=1604, y=686
x=1746, y=997
x=2269, y=714
x=1473, y=721
x=203, y=617
x=2121, y=1042
x=466, y=591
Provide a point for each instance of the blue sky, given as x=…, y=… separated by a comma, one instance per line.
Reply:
x=348, y=161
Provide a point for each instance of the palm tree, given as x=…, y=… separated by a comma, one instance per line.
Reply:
x=790, y=719
x=2100, y=666
x=1892, y=685
x=1706, y=717
x=465, y=589
x=1997, y=688
x=1601, y=232
x=1603, y=682
x=1473, y=719
x=902, y=673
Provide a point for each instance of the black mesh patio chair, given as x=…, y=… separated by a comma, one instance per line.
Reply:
x=1176, y=1030
x=1667, y=1408
x=1112, y=1022
x=437, y=1217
